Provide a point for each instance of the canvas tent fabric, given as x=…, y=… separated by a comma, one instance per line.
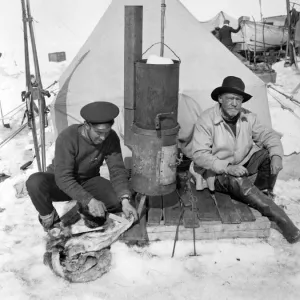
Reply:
x=218, y=21
x=97, y=71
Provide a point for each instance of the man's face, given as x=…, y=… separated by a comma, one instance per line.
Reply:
x=231, y=104
x=98, y=132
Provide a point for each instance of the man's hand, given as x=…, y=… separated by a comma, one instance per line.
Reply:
x=236, y=171
x=128, y=209
x=96, y=208
x=276, y=165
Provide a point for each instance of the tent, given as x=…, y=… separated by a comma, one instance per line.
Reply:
x=97, y=71
x=218, y=21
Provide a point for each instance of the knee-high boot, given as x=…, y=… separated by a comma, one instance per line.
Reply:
x=243, y=190
x=265, y=181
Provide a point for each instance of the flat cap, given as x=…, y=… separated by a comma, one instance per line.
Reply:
x=99, y=112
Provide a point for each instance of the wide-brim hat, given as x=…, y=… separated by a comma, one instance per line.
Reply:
x=99, y=112
x=231, y=84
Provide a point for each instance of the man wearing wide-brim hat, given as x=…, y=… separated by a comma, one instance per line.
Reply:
x=79, y=153
x=234, y=153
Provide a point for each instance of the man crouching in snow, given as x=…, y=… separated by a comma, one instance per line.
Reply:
x=230, y=147
x=79, y=153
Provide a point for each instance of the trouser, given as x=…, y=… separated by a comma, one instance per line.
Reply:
x=259, y=164
x=243, y=190
x=43, y=190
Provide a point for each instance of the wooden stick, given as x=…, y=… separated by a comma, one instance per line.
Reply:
x=254, y=41
x=41, y=99
x=162, y=38
x=29, y=104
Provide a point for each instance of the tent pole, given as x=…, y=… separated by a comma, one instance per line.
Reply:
x=261, y=15
x=42, y=103
x=289, y=28
x=162, y=37
x=254, y=41
x=133, y=50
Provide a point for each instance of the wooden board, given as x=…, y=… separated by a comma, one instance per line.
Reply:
x=226, y=209
x=171, y=215
x=244, y=211
x=216, y=219
x=213, y=230
x=171, y=209
x=155, y=210
x=188, y=235
x=207, y=210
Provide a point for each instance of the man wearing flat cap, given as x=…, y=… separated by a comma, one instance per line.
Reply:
x=79, y=153
x=234, y=153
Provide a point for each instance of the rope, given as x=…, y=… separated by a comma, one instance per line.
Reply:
x=18, y=109
x=10, y=117
x=5, y=141
x=285, y=95
x=284, y=107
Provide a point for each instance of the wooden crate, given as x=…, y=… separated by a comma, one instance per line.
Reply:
x=217, y=219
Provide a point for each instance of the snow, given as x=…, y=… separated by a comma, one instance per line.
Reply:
x=224, y=269
x=283, y=120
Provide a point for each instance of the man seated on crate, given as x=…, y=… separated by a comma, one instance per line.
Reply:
x=234, y=153
x=79, y=153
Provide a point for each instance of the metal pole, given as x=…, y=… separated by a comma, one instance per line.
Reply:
x=162, y=37
x=40, y=88
x=133, y=50
x=28, y=87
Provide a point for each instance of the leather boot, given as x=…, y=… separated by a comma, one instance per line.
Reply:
x=49, y=221
x=265, y=180
x=243, y=190
x=266, y=183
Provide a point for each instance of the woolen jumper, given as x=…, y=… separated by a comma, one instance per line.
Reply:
x=77, y=160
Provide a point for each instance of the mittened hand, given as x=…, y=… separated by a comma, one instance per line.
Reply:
x=276, y=165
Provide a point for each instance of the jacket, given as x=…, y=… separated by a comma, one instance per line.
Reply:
x=225, y=34
x=214, y=145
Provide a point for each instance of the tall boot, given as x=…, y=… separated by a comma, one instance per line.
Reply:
x=266, y=183
x=243, y=190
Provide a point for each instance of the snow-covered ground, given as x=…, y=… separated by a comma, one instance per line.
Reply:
x=223, y=269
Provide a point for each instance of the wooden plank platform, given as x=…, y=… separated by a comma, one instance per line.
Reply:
x=218, y=218
x=210, y=230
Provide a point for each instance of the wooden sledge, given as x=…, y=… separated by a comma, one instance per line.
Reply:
x=218, y=218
